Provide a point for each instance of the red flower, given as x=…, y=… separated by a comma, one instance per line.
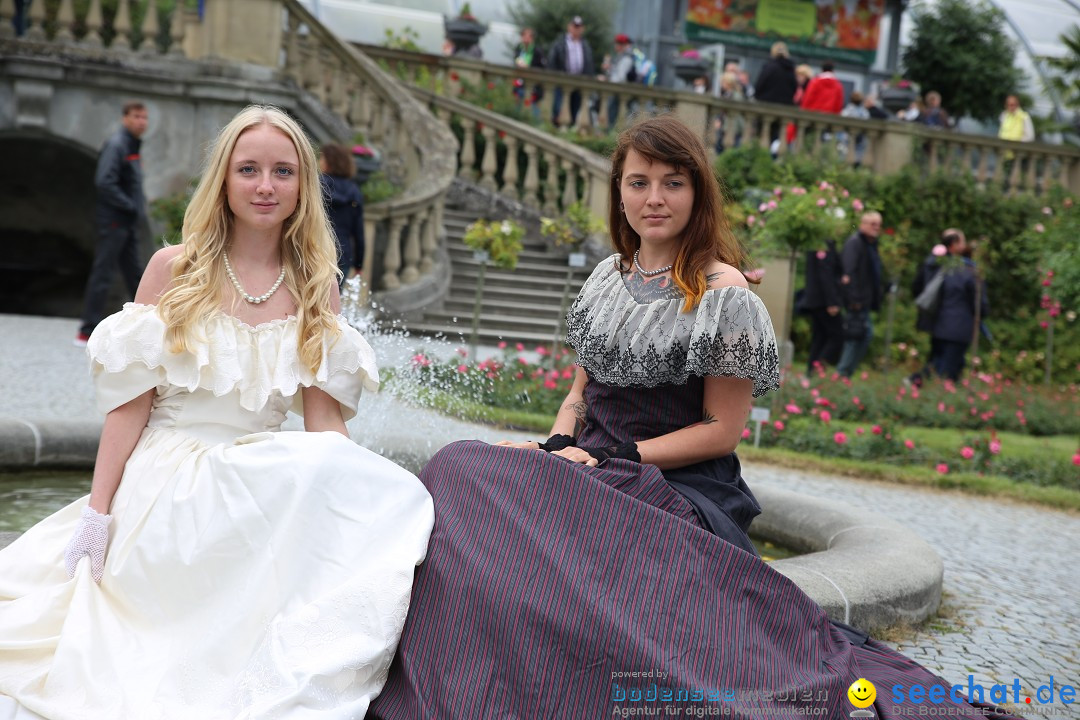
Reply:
x=967, y=452
x=839, y=438
x=942, y=468
x=876, y=430
x=454, y=76
x=890, y=231
x=491, y=86
x=746, y=433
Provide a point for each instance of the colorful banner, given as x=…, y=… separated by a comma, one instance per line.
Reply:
x=842, y=30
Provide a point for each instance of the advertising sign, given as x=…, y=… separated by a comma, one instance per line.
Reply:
x=842, y=30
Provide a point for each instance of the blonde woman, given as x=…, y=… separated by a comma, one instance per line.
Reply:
x=221, y=568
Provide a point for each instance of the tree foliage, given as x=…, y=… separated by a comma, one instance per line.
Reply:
x=960, y=49
x=1065, y=70
x=549, y=19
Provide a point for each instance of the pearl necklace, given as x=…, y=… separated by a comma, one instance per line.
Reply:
x=650, y=273
x=240, y=289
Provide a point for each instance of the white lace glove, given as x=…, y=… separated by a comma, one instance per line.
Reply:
x=90, y=538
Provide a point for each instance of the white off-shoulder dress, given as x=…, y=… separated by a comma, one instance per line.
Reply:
x=251, y=573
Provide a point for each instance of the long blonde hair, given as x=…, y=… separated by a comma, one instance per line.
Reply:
x=308, y=248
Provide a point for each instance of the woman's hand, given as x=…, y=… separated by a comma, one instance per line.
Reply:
x=530, y=445
x=576, y=454
x=90, y=538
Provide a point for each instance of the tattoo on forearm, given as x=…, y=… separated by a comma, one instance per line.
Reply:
x=646, y=290
x=709, y=419
x=580, y=410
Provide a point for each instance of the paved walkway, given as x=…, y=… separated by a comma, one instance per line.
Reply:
x=1012, y=590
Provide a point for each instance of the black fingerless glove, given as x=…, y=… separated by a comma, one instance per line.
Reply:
x=556, y=442
x=623, y=451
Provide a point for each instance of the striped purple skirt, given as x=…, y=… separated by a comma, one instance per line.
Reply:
x=555, y=590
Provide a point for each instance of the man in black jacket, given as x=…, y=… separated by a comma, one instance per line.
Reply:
x=121, y=208
x=572, y=55
x=777, y=83
x=861, y=283
x=822, y=300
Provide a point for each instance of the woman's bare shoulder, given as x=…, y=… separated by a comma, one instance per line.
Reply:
x=158, y=274
x=719, y=274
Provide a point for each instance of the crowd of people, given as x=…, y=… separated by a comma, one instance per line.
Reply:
x=223, y=568
x=844, y=286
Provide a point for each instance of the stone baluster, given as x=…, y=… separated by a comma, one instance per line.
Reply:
x=378, y=118
x=564, y=119
x=982, y=172
x=763, y=138
x=122, y=26
x=569, y=196
x=293, y=63
x=429, y=241
x=93, y=25
x=967, y=159
x=177, y=27
x=311, y=71
x=413, y=251
x=1014, y=174
x=551, y=184
x=510, y=168
x=1063, y=173
x=489, y=163
x=1033, y=173
x=728, y=129
x=932, y=149
x=7, y=19
x=999, y=166
x=359, y=104
x=605, y=101
x=150, y=29
x=782, y=146
x=65, y=22
x=547, y=101
x=392, y=259
x=468, y=150
x=339, y=100
x=368, y=274
x=531, y=196
x=36, y=15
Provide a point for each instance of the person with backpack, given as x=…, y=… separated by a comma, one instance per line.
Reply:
x=948, y=291
x=629, y=65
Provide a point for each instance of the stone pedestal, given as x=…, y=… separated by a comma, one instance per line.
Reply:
x=246, y=31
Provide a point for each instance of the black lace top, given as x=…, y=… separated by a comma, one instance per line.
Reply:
x=623, y=342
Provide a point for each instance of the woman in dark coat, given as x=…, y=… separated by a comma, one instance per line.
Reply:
x=344, y=205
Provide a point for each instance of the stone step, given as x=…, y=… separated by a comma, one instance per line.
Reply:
x=467, y=277
x=492, y=321
x=462, y=307
x=524, y=268
x=530, y=296
x=457, y=248
x=487, y=336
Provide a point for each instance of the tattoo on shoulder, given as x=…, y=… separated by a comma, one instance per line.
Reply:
x=712, y=277
x=709, y=418
x=649, y=289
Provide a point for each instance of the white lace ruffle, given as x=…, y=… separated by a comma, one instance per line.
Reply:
x=623, y=342
x=254, y=361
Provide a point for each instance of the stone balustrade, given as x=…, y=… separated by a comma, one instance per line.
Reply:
x=537, y=169
x=882, y=146
x=406, y=264
x=155, y=34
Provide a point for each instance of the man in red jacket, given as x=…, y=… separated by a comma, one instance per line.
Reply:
x=824, y=93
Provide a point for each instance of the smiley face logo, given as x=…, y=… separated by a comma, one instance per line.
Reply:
x=862, y=693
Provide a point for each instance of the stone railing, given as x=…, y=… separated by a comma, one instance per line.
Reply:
x=883, y=146
x=535, y=168
x=407, y=264
x=154, y=35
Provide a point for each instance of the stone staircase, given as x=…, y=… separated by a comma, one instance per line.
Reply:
x=520, y=305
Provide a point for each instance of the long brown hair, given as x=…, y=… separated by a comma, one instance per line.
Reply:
x=707, y=236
